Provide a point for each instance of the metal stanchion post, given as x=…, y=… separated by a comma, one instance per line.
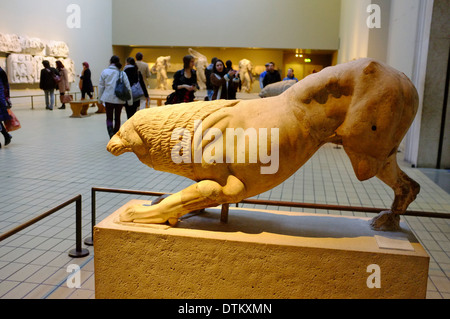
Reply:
x=78, y=252
x=90, y=240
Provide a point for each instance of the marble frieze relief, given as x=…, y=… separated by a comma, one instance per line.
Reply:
x=24, y=56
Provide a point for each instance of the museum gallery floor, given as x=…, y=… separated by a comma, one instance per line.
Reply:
x=55, y=157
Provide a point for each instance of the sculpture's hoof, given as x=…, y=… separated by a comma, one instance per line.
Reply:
x=144, y=214
x=126, y=216
x=386, y=221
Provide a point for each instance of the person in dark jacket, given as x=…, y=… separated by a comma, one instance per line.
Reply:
x=5, y=104
x=134, y=76
x=86, y=82
x=48, y=84
x=185, y=81
x=272, y=75
x=209, y=87
x=225, y=83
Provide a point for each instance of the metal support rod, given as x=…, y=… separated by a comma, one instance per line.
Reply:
x=224, y=213
x=343, y=208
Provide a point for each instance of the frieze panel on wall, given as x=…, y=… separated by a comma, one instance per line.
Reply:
x=10, y=43
x=20, y=68
x=24, y=56
x=25, y=68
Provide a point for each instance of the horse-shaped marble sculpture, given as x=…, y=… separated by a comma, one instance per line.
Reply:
x=241, y=148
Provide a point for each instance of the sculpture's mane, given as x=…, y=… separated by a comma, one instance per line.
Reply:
x=155, y=127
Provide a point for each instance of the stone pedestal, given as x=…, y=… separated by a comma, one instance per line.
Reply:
x=257, y=254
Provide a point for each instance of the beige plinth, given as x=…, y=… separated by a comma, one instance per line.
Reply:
x=257, y=254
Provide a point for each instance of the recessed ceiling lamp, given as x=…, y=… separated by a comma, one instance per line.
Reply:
x=298, y=55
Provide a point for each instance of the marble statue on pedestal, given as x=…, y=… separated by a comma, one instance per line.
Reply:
x=201, y=62
x=245, y=72
x=160, y=68
x=237, y=149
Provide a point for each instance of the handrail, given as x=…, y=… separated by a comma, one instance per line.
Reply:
x=224, y=210
x=32, y=96
x=78, y=251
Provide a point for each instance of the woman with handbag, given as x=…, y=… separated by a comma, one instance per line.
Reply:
x=137, y=84
x=5, y=104
x=110, y=79
x=63, y=85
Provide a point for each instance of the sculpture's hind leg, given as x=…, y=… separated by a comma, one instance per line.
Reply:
x=405, y=190
x=206, y=193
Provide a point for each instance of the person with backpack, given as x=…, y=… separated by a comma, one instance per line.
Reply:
x=137, y=84
x=114, y=91
x=48, y=82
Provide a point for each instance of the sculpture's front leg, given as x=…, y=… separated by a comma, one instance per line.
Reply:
x=201, y=195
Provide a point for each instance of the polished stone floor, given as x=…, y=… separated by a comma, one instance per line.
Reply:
x=54, y=157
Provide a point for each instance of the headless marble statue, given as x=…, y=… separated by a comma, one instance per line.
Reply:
x=245, y=71
x=160, y=68
x=363, y=105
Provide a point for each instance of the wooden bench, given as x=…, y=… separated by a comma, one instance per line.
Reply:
x=159, y=100
x=80, y=107
x=100, y=108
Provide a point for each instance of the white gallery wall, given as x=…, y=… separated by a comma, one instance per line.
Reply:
x=402, y=41
x=353, y=30
x=84, y=25
x=228, y=23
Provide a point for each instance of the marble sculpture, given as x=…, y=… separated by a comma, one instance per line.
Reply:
x=245, y=71
x=33, y=46
x=363, y=105
x=276, y=88
x=10, y=43
x=20, y=68
x=201, y=62
x=160, y=68
x=57, y=49
x=26, y=69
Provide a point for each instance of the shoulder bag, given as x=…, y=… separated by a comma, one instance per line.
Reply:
x=121, y=90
